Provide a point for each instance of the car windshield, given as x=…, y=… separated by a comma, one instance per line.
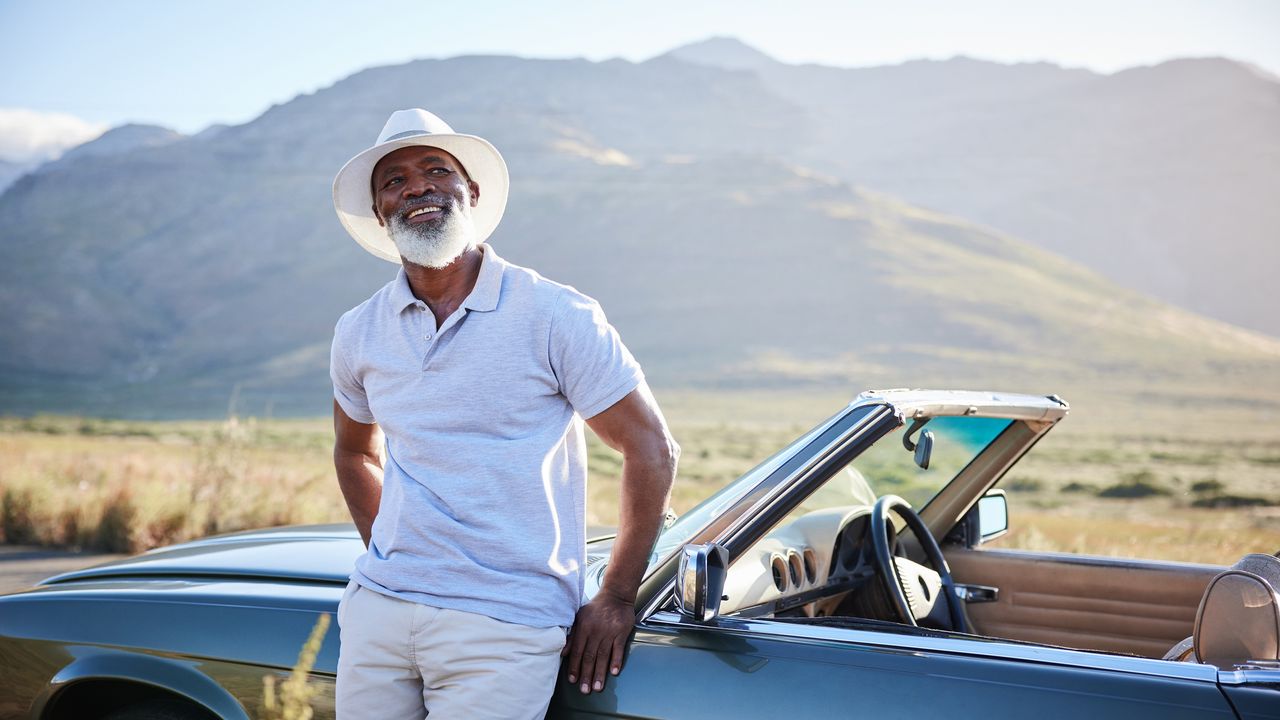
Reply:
x=706, y=512
x=888, y=468
x=885, y=468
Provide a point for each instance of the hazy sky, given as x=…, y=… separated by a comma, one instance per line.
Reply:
x=189, y=64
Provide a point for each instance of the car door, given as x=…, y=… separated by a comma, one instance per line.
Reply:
x=1143, y=607
x=736, y=668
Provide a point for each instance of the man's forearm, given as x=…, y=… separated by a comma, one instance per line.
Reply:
x=646, y=487
x=360, y=478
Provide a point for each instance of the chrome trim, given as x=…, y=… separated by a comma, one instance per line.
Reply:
x=983, y=648
x=1251, y=676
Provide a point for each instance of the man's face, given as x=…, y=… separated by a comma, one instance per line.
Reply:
x=422, y=195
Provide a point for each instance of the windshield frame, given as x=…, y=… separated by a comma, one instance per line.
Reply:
x=765, y=494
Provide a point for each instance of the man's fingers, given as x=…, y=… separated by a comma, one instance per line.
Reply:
x=615, y=660
x=601, y=665
x=575, y=655
x=587, y=668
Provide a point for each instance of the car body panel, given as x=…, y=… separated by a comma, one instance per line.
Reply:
x=780, y=670
x=317, y=552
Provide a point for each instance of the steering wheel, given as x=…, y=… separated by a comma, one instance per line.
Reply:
x=915, y=591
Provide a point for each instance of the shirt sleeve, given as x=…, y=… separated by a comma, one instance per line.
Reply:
x=348, y=390
x=594, y=369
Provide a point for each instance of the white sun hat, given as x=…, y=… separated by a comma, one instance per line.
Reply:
x=353, y=197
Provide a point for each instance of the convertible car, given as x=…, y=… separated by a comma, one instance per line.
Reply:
x=849, y=575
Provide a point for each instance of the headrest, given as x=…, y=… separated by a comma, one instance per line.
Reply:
x=1238, y=619
x=1266, y=567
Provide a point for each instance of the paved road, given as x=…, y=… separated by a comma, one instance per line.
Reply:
x=22, y=566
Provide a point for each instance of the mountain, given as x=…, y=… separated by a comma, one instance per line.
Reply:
x=10, y=171
x=1162, y=178
x=205, y=269
x=123, y=139
x=723, y=52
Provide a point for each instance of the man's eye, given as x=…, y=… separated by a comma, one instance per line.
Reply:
x=392, y=181
x=439, y=171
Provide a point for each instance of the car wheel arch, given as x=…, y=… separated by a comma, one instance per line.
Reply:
x=130, y=678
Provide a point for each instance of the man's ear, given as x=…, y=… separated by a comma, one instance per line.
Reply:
x=376, y=216
x=475, y=192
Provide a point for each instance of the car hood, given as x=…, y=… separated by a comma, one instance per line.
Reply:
x=317, y=553
x=307, y=553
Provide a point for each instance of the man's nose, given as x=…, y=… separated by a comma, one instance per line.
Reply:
x=417, y=185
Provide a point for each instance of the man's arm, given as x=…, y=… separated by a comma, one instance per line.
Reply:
x=633, y=426
x=357, y=456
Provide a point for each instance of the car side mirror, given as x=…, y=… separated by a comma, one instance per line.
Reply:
x=993, y=515
x=700, y=581
x=984, y=522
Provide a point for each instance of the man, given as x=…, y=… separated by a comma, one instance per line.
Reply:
x=479, y=374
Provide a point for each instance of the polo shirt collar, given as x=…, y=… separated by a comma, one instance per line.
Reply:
x=483, y=297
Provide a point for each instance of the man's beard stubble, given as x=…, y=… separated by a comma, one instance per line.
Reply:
x=434, y=244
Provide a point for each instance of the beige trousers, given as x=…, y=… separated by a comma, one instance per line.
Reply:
x=404, y=660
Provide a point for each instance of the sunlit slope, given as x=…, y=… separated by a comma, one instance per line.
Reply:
x=749, y=266
x=1162, y=178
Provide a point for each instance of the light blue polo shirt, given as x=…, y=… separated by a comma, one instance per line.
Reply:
x=484, y=486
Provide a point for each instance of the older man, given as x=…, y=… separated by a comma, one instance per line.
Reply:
x=479, y=373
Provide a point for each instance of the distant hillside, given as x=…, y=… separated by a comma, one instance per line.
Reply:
x=10, y=171
x=123, y=139
x=1162, y=178
x=209, y=270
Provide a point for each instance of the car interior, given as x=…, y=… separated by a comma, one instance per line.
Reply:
x=856, y=554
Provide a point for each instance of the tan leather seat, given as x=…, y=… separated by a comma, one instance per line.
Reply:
x=1239, y=616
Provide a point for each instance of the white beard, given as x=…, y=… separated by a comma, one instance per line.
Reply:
x=434, y=245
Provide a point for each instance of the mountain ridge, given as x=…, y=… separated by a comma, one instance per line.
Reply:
x=214, y=267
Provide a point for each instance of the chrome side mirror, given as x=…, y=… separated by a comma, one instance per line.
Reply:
x=993, y=515
x=700, y=581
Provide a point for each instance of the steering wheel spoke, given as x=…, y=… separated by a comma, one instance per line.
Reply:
x=916, y=592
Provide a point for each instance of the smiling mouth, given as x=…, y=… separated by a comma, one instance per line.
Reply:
x=422, y=211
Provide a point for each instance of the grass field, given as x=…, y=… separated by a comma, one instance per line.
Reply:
x=1107, y=486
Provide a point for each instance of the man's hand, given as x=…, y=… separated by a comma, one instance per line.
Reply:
x=633, y=426
x=598, y=640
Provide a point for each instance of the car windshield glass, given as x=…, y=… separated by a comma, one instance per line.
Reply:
x=888, y=468
x=707, y=511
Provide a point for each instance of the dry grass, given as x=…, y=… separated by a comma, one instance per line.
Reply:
x=118, y=489
x=291, y=699
x=127, y=486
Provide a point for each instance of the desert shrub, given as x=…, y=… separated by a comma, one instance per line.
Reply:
x=16, y=518
x=115, y=527
x=1140, y=484
x=1210, y=485
x=1075, y=486
x=165, y=530
x=69, y=528
x=1023, y=484
x=1232, y=501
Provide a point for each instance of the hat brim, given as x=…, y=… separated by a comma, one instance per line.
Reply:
x=353, y=198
